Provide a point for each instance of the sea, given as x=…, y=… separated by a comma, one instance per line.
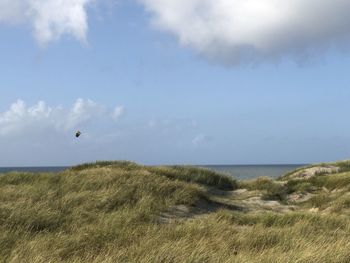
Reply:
x=240, y=172
x=246, y=172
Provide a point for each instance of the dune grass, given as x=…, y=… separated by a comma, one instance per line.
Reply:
x=271, y=190
x=109, y=212
x=196, y=175
x=327, y=191
x=343, y=165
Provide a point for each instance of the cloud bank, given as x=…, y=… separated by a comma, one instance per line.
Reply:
x=40, y=118
x=236, y=31
x=40, y=134
x=50, y=19
x=225, y=31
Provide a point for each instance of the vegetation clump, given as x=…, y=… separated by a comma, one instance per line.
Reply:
x=125, y=212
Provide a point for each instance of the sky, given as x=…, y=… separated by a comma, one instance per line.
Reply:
x=174, y=81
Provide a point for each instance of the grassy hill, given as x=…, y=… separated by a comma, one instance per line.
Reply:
x=124, y=212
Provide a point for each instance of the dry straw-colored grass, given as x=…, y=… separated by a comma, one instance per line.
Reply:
x=109, y=212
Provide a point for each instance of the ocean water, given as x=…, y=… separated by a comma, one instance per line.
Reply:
x=243, y=172
x=240, y=172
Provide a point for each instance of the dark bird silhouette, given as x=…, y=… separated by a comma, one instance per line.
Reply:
x=77, y=134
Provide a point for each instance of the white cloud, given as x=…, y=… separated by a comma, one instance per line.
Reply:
x=118, y=112
x=20, y=117
x=236, y=31
x=11, y=11
x=40, y=118
x=224, y=31
x=50, y=19
x=82, y=112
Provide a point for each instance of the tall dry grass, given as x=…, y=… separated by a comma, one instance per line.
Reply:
x=109, y=212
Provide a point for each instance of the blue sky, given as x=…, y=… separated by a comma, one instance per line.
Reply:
x=144, y=87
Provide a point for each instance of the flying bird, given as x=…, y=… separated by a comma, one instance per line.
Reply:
x=77, y=134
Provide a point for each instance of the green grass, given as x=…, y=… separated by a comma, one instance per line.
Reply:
x=182, y=173
x=343, y=165
x=126, y=165
x=110, y=212
x=271, y=190
x=196, y=175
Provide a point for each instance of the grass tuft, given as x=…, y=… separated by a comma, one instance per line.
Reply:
x=112, y=212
